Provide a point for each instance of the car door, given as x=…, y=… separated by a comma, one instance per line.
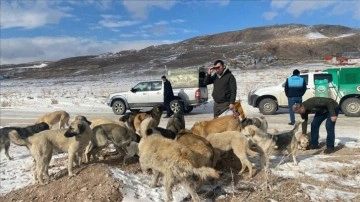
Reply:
x=156, y=95
x=139, y=95
x=310, y=89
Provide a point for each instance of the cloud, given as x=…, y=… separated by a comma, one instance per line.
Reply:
x=297, y=8
x=111, y=21
x=279, y=3
x=269, y=15
x=19, y=50
x=29, y=14
x=140, y=10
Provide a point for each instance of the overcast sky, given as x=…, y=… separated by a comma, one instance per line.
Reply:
x=55, y=29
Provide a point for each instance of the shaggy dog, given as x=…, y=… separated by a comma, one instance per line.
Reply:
x=218, y=125
x=41, y=145
x=175, y=161
x=103, y=135
x=236, y=141
x=19, y=132
x=176, y=123
x=54, y=117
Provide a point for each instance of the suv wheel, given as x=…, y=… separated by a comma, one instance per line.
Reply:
x=268, y=106
x=118, y=107
x=351, y=107
x=176, y=106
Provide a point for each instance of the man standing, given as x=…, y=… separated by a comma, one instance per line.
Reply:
x=324, y=108
x=168, y=96
x=224, y=92
x=295, y=88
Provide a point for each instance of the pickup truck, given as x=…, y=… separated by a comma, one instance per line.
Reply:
x=187, y=87
x=343, y=85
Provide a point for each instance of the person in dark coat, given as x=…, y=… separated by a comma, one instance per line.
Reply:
x=168, y=96
x=224, y=92
x=324, y=108
x=295, y=88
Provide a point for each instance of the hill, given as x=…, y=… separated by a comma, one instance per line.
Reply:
x=271, y=46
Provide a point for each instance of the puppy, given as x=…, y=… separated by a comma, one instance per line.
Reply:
x=174, y=160
x=176, y=123
x=21, y=132
x=54, y=117
x=41, y=145
x=218, y=125
x=120, y=135
x=236, y=141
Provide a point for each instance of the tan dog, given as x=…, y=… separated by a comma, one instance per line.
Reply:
x=303, y=140
x=236, y=141
x=218, y=125
x=174, y=160
x=72, y=140
x=53, y=118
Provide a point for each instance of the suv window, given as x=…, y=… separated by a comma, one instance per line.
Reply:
x=322, y=77
x=156, y=85
x=143, y=86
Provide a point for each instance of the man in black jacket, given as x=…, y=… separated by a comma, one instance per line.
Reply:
x=168, y=96
x=224, y=92
x=324, y=108
x=295, y=88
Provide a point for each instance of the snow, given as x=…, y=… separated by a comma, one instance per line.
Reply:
x=88, y=94
x=315, y=35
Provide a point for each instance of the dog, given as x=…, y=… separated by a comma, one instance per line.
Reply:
x=54, y=117
x=176, y=123
x=98, y=121
x=21, y=132
x=218, y=125
x=259, y=122
x=236, y=141
x=41, y=145
x=134, y=119
x=277, y=141
x=104, y=134
x=303, y=140
x=174, y=160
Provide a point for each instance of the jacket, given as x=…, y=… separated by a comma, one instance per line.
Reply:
x=168, y=91
x=295, y=86
x=224, y=86
x=318, y=105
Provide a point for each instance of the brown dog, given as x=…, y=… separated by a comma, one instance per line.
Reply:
x=218, y=125
x=236, y=141
x=303, y=140
x=53, y=118
x=174, y=160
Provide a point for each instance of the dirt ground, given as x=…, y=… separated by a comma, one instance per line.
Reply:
x=94, y=182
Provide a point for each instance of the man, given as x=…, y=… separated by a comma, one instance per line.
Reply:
x=224, y=92
x=168, y=96
x=295, y=88
x=324, y=108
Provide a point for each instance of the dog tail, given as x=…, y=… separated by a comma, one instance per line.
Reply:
x=205, y=172
x=16, y=138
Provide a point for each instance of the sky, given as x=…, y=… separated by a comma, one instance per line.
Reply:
x=51, y=30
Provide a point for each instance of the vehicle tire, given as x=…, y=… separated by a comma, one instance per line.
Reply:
x=188, y=109
x=119, y=107
x=135, y=110
x=268, y=106
x=351, y=107
x=176, y=106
